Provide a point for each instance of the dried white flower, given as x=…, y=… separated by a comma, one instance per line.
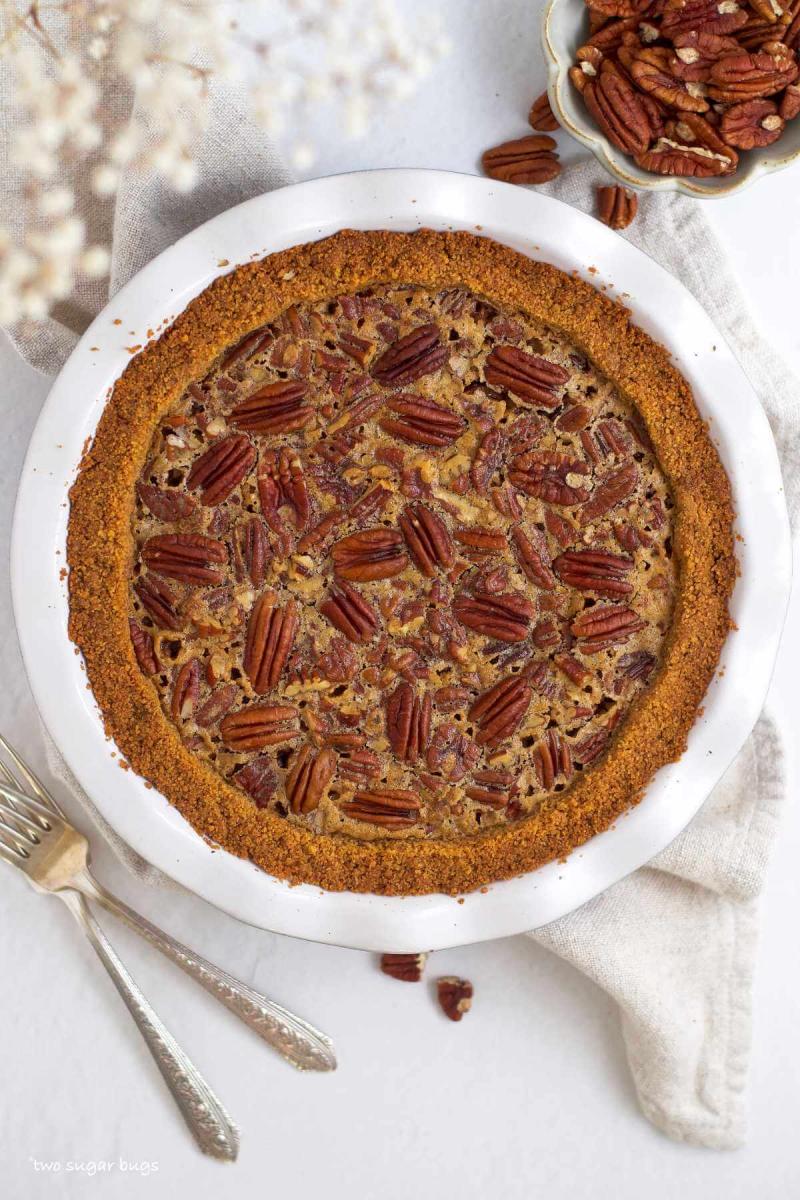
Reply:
x=351, y=55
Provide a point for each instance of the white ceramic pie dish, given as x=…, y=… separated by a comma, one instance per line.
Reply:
x=404, y=200
x=564, y=30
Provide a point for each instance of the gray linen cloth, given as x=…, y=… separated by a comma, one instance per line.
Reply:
x=674, y=943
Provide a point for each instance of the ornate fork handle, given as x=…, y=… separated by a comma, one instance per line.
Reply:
x=300, y=1043
x=212, y=1128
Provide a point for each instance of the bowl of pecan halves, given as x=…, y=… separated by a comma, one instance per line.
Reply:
x=699, y=96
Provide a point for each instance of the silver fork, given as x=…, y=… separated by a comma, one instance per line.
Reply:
x=35, y=836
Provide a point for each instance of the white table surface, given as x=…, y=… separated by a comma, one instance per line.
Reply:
x=530, y=1094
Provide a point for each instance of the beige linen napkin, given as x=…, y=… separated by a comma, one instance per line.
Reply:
x=673, y=943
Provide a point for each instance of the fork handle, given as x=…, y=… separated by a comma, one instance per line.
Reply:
x=299, y=1042
x=210, y=1125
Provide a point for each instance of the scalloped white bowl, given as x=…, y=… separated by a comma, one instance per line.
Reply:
x=564, y=30
x=403, y=200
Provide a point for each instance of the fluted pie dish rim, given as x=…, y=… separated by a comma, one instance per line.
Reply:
x=400, y=883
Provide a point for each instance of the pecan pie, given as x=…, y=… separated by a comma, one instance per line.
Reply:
x=400, y=563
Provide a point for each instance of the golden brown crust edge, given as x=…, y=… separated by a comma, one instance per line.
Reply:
x=100, y=555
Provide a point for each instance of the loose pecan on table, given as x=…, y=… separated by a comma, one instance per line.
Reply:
x=406, y=967
x=455, y=996
x=616, y=206
x=530, y=159
x=541, y=116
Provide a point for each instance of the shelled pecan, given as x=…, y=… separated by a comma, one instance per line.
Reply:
x=530, y=159
x=308, y=777
x=389, y=808
x=616, y=206
x=658, y=87
x=259, y=726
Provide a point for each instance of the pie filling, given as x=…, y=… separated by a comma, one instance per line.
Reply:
x=403, y=563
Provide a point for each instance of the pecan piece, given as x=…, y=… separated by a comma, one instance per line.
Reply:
x=308, y=778
x=315, y=538
x=610, y=491
x=215, y=707
x=479, y=542
x=222, y=468
x=270, y=635
x=505, y=616
x=370, y=554
x=552, y=760
x=281, y=480
x=350, y=613
x=371, y=504
x=422, y=422
x=544, y=474
x=251, y=551
x=406, y=967
x=790, y=100
x=159, y=601
x=749, y=76
x=486, y=461
x=595, y=571
x=360, y=766
x=389, y=808
x=706, y=16
x=668, y=157
x=451, y=753
x=275, y=408
x=531, y=159
x=427, y=538
x=455, y=996
x=651, y=71
x=533, y=557
x=259, y=779
x=164, y=503
x=541, y=116
x=492, y=788
x=498, y=711
x=616, y=207
x=636, y=667
x=605, y=625
x=572, y=668
x=618, y=109
x=186, y=691
x=186, y=557
x=259, y=726
x=143, y=648
x=751, y=125
x=408, y=722
x=409, y=358
x=530, y=378
x=696, y=51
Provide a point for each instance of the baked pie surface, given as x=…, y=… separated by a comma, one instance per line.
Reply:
x=400, y=563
